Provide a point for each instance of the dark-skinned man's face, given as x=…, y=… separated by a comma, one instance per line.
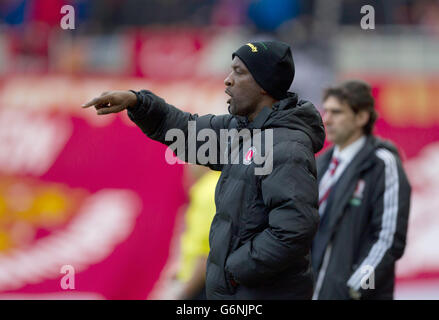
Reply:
x=242, y=88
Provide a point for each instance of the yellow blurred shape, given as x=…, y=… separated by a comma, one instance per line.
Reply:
x=51, y=206
x=405, y=103
x=28, y=204
x=5, y=241
x=2, y=206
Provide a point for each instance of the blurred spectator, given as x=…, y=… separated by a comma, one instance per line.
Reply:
x=427, y=14
x=230, y=13
x=114, y=13
x=47, y=11
x=195, y=239
x=30, y=47
x=268, y=15
x=14, y=12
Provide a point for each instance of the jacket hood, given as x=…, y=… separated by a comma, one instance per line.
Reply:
x=299, y=115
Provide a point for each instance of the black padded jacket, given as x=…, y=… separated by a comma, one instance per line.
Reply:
x=262, y=232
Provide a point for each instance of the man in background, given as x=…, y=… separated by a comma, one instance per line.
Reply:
x=364, y=200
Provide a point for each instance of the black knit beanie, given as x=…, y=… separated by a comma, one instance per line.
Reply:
x=271, y=65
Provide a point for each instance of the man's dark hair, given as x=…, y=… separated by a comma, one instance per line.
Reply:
x=358, y=96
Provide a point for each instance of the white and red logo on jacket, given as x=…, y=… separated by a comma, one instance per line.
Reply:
x=249, y=155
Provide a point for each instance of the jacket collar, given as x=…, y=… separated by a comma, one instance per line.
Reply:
x=347, y=154
x=359, y=163
x=260, y=119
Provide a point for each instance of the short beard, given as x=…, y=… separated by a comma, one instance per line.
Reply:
x=242, y=111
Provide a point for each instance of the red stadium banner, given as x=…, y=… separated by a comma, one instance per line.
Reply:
x=80, y=195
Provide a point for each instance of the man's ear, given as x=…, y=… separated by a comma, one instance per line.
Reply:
x=362, y=117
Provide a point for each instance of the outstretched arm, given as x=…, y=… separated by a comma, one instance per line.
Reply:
x=113, y=102
x=163, y=122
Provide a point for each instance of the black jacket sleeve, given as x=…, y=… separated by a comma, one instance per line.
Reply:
x=180, y=130
x=389, y=220
x=290, y=193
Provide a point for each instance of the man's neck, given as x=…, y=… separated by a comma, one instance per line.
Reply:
x=350, y=141
x=267, y=102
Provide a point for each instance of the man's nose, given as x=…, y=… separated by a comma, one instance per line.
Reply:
x=228, y=81
x=326, y=118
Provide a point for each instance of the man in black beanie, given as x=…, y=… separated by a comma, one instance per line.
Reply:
x=262, y=232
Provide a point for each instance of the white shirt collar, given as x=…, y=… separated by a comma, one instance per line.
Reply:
x=348, y=153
